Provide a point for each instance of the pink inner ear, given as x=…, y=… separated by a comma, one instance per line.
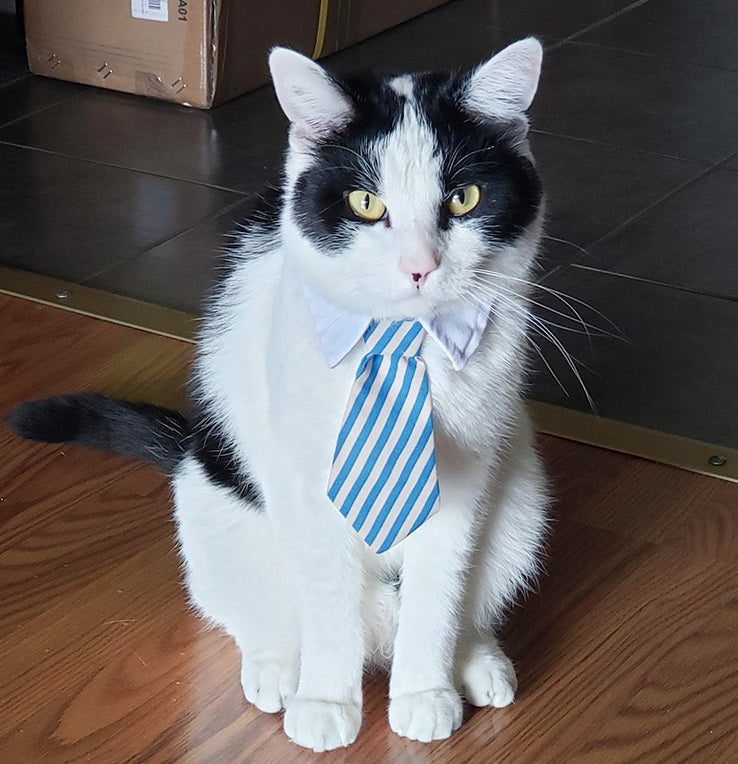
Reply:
x=504, y=86
x=308, y=96
x=299, y=136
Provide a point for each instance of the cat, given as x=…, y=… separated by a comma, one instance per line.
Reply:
x=403, y=197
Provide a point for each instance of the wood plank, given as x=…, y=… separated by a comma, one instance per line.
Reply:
x=645, y=501
x=626, y=651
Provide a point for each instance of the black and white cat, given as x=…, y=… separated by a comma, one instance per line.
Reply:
x=413, y=196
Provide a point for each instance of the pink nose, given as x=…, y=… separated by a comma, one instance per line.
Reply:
x=419, y=278
x=418, y=267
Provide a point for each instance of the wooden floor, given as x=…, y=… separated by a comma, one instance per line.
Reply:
x=628, y=652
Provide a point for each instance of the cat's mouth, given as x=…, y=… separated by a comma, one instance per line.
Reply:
x=416, y=302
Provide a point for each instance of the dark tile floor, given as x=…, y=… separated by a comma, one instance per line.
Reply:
x=636, y=132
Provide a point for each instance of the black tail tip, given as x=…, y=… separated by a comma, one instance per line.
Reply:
x=50, y=420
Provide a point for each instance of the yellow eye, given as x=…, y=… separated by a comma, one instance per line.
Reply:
x=366, y=205
x=464, y=200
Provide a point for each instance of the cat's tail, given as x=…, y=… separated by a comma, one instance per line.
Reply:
x=133, y=429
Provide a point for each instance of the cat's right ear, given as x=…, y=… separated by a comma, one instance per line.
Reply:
x=503, y=87
x=312, y=101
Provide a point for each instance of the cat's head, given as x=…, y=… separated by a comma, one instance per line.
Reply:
x=409, y=196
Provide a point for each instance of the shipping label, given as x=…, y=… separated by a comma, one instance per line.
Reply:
x=153, y=10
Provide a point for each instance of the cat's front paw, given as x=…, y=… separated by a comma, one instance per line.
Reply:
x=269, y=683
x=321, y=725
x=488, y=678
x=426, y=716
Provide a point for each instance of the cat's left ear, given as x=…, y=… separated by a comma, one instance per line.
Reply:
x=503, y=87
x=312, y=101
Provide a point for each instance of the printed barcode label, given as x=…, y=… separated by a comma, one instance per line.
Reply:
x=154, y=10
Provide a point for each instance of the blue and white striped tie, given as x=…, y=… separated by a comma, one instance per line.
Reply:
x=383, y=479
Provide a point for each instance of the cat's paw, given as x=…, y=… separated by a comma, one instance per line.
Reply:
x=321, y=725
x=488, y=678
x=269, y=683
x=426, y=716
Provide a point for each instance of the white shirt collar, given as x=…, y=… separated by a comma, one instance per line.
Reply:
x=458, y=333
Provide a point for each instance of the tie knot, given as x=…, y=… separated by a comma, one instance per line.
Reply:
x=394, y=338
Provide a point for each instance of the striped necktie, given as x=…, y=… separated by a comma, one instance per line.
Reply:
x=383, y=479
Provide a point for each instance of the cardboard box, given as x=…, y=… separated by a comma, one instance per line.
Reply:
x=194, y=52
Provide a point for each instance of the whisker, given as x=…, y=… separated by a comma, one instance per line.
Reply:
x=548, y=366
x=541, y=326
x=567, y=299
x=571, y=362
x=589, y=329
x=570, y=243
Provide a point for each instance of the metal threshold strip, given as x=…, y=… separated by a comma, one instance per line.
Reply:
x=677, y=451
x=657, y=446
x=98, y=304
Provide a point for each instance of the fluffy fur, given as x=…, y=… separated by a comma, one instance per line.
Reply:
x=266, y=555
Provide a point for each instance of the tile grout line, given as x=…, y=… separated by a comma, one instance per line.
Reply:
x=97, y=162
x=721, y=164
x=207, y=219
x=606, y=20
x=632, y=149
x=652, y=282
x=42, y=109
x=618, y=228
x=659, y=56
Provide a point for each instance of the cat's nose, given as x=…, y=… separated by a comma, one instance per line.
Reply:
x=419, y=278
x=419, y=266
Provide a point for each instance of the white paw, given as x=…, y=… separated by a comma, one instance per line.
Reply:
x=426, y=716
x=321, y=725
x=269, y=683
x=488, y=678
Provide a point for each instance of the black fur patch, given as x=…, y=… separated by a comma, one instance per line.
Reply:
x=472, y=151
x=211, y=445
x=344, y=162
x=480, y=152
